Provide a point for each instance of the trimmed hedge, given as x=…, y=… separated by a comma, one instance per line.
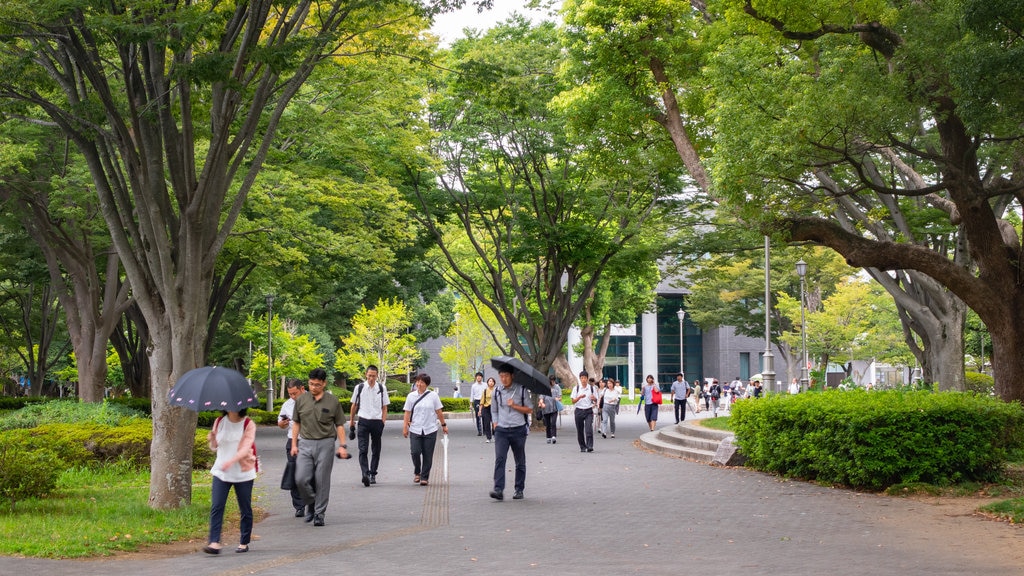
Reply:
x=86, y=443
x=873, y=440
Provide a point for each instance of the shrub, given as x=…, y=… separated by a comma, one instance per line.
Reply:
x=873, y=440
x=978, y=382
x=34, y=440
x=70, y=412
x=27, y=473
x=88, y=444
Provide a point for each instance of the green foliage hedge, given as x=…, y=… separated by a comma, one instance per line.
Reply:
x=873, y=440
x=27, y=473
x=978, y=382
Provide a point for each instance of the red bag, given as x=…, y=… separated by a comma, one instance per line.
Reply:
x=656, y=395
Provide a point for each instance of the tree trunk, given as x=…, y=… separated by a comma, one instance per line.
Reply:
x=563, y=372
x=170, y=482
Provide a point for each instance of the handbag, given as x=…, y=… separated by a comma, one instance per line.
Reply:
x=288, y=478
x=655, y=395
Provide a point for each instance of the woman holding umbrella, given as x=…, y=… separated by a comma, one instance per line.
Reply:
x=232, y=438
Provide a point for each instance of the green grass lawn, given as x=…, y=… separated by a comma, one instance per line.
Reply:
x=96, y=512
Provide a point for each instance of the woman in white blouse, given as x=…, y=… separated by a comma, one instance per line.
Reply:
x=423, y=413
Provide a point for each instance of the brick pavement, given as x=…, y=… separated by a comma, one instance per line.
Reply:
x=619, y=510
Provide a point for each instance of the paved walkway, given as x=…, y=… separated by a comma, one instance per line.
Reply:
x=618, y=510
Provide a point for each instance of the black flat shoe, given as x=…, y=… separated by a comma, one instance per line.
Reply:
x=497, y=495
x=211, y=550
x=242, y=549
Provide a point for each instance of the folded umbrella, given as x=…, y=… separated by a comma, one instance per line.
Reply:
x=522, y=373
x=444, y=444
x=213, y=388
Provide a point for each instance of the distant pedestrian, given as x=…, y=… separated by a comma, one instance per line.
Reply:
x=610, y=397
x=650, y=406
x=584, y=398
x=485, y=410
x=476, y=392
x=318, y=421
x=715, y=396
x=232, y=438
x=423, y=413
x=698, y=394
x=794, y=387
x=510, y=409
x=549, y=409
x=370, y=403
x=295, y=388
x=680, y=392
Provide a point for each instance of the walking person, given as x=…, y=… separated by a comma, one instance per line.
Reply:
x=549, y=409
x=715, y=395
x=423, y=412
x=610, y=397
x=485, y=410
x=476, y=392
x=652, y=403
x=232, y=437
x=584, y=398
x=370, y=404
x=510, y=409
x=599, y=407
x=318, y=422
x=295, y=388
x=680, y=392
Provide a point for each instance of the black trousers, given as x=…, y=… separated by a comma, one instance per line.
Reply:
x=585, y=428
x=369, y=433
x=680, y=409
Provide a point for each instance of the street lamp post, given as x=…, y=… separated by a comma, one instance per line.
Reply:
x=801, y=270
x=768, y=373
x=270, y=356
x=682, y=357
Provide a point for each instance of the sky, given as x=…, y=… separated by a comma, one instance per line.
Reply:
x=448, y=27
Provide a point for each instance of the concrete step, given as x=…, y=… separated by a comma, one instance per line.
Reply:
x=685, y=440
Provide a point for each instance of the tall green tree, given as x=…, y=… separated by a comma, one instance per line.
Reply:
x=380, y=337
x=46, y=187
x=527, y=219
x=873, y=130
x=173, y=108
x=475, y=336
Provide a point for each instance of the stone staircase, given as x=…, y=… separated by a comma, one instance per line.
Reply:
x=688, y=440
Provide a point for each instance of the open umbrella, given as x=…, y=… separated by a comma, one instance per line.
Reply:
x=524, y=374
x=757, y=378
x=213, y=388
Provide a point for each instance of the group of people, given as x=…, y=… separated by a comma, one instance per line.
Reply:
x=316, y=433
x=315, y=421
x=595, y=403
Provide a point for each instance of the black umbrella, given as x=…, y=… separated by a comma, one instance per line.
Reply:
x=523, y=373
x=213, y=388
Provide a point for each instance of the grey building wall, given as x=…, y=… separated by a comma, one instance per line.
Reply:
x=724, y=353
x=441, y=374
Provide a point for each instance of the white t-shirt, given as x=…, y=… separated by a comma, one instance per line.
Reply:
x=286, y=410
x=585, y=402
x=372, y=400
x=423, y=419
x=229, y=434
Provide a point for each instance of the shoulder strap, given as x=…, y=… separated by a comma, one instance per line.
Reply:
x=522, y=402
x=422, y=396
x=359, y=392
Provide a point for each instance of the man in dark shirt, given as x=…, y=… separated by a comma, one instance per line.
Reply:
x=317, y=422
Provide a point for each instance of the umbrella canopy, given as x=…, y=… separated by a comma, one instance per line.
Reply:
x=757, y=378
x=524, y=374
x=213, y=388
